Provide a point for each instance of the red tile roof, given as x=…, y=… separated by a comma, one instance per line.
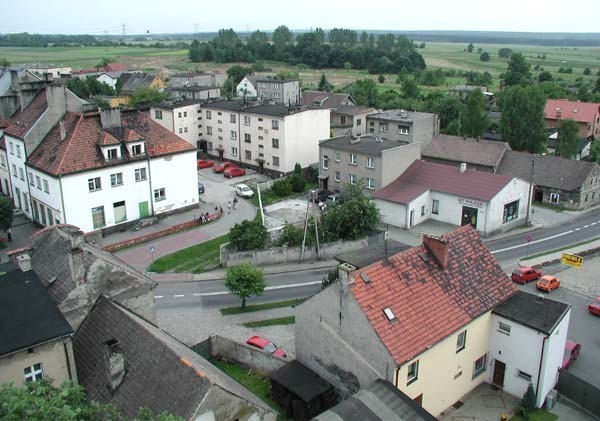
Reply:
x=80, y=150
x=22, y=120
x=422, y=176
x=430, y=302
x=583, y=112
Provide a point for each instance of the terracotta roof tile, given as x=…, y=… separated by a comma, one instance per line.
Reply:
x=22, y=120
x=430, y=302
x=80, y=150
x=562, y=109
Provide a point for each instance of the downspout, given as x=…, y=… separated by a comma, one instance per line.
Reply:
x=67, y=360
x=62, y=199
x=239, y=117
x=150, y=185
x=537, y=386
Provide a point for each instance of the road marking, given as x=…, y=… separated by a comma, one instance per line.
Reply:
x=211, y=294
x=178, y=296
x=593, y=223
x=159, y=296
x=533, y=242
x=577, y=229
x=586, y=226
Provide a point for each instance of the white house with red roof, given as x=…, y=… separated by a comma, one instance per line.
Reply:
x=586, y=114
x=489, y=202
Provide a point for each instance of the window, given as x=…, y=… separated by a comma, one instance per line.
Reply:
x=185, y=113
x=383, y=127
x=260, y=119
x=185, y=130
x=370, y=162
x=3, y=160
x=180, y=130
x=338, y=157
x=435, y=207
x=511, y=211
x=260, y=128
x=504, y=328
x=209, y=130
x=112, y=153
x=140, y=174
x=50, y=216
x=21, y=174
x=98, y=217
x=234, y=151
x=337, y=176
x=94, y=184
x=25, y=203
x=246, y=120
x=422, y=210
x=179, y=114
x=275, y=143
x=413, y=372
x=159, y=194
x=137, y=149
x=352, y=178
x=120, y=212
x=158, y=114
x=389, y=313
x=31, y=178
x=479, y=365
x=14, y=170
x=358, y=122
x=232, y=118
x=554, y=197
x=46, y=186
x=12, y=148
x=371, y=183
x=343, y=119
x=248, y=155
x=524, y=375
x=33, y=373
x=209, y=146
x=233, y=135
x=403, y=129
x=18, y=150
x=275, y=161
x=461, y=341
x=275, y=124
x=353, y=160
x=116, y=179
x=208, y=115
x=247, y=137
x=325, y=162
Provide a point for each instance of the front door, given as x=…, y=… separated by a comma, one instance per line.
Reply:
x=499, y=368
x=18, y=195
x=324, y=183
x=221, y=154
x=261, y=167
x=120, y=213
x=412, y=219
x=469, y=216
x=419, y=399
x=144, y=212
x=538, y=195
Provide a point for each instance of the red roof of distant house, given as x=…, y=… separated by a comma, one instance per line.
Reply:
x=562, y=109
x=422, y=176
x=430, y=302
x=80, y=151
x=22, y=120
x=115, y=67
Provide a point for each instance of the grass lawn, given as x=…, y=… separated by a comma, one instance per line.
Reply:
x=268, y=197
x=193, y=259
x=279, y=321
x=537, y=415
x=256, y=383
x=259, y=307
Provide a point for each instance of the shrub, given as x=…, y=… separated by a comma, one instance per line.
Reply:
x=290, y=235
x=298, y=182
x=249, y=235
x=528, y=402
x=282, y=188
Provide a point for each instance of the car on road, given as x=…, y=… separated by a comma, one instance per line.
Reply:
x=200, y=188
x=204, y=163
x=594, y=307
x=231, y=172
x=335, y=198
x=572, y=350
x=266, y=345
x=547, y=283
x=223, y=166
x=319, y=195
x=524, y=274
x=243, y=190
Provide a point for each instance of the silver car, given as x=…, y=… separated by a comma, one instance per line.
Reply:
x=243, y=190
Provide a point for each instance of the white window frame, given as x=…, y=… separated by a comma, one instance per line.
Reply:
x=116, y=179
x=275, y=161
x=337, y=176
x=403, y=129
x=233, y=118
x=504, y=328
x=275, y=124
x=461, y=341
x=352, y=159
x=46, y=186
x=338, y=156
x=160, y=194
x=97, y=184
x=370, y=162
x=435, y=207
x=371, y=183
x=158, y=114
x=96, y=226
x=137, y=150
x=275, y=143
x=110, y=152
x=554, y=198
x=383, y=127
x=325, y=163
x=234, y=151
x=208, y=114
x=247, y=120
x=412, y=372
x=233, y=135
x=523, y=375
x=478, y=371
x=140, y=174
x=32, y=373
x=352, y=179
x=31, y=179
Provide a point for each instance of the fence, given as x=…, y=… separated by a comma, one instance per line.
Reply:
x=579, y=391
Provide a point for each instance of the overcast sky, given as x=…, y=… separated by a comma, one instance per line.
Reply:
x=95, y=17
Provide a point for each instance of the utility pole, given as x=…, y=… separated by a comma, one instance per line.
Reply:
x=124, y=29
x=316, y=231
x=527, y=217
x=305, y=225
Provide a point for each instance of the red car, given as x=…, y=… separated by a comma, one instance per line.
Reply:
x=203, y=163
x=221, y=167
x=524, y=274
x=594, y=307
x=572, y=350
x=231, y=172
x=547, y=283
x=266, y=345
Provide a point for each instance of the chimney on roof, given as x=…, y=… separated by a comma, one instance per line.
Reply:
x=344, y=275
x=463, y=167
x=75, y=256
x=438, y=247
x=558, y=112
x=110, y=118
x=115, y=363
x=24, y=262
x=354, y=139
x=63, y=131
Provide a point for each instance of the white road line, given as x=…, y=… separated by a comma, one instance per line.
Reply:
x=178, y=296
x=593, y=223
x=577, y=229
x=159, y=296
x=586, y=226
x=211, y=294
x=533, y=242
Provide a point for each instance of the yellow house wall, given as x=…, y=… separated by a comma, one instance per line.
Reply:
x=158, y=83
x=51, y=355
x=439, y=365
x=116, y=101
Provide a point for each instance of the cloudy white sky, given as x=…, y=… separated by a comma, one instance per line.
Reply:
x=70, y=16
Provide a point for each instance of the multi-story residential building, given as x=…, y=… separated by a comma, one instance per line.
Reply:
x=184, y=118
x=194, y=92
x=5, y=186
x=374, y=160
x=211, y=79
x=408, y=126
x=286, y=91
x=271, y=138
x=349, y=120
x=586, y=114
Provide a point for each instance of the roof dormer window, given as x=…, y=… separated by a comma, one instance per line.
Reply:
x=137, y=149
x=112, y=154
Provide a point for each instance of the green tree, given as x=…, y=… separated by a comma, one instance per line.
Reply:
x=381, y=78
x=473, y=118
x=504, y=52
x=282, y=188
x=364, y=91
x=470, y=47
x=147, y=96
x=104, y=61
x=324, y=85
x=545, y=76
x=282, y=37
x=290, y=235
x=517, y=71
x=6, y=213
x=448, y=109
x=249, y=235
x=587, y=71
x=237, y=73
x=245, y=281
x=297, y=179
x=567, y=144
x=485, y=56
x=595, y=151
x=528, y=402
x=228, y=89
x=410, y=89
x=4, y=62
x=351, y=219
x=522, y=121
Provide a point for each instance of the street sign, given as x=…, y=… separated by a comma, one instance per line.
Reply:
x=572, y=260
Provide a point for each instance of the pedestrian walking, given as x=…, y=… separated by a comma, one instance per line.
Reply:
x=229, y=206
x=9, y=234
x=235, y=203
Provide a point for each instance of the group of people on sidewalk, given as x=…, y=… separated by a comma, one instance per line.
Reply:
x=235, y=202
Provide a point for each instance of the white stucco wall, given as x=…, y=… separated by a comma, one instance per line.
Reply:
x=553, y=356
x=178, y=174
x=303, y=131
x=392, y=213
x=517, y=189
x=245, y=85
x=104, y=78
x=4, y=174
x=23, y=202
x=51, y=199
x=167, y=118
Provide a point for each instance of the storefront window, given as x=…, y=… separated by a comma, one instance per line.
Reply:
x=511, y=211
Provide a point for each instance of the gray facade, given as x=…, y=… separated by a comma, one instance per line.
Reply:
x=376, y=161
x=197, y=79
x=349, y=120
x=335, y=339
x=406, y=126
x=286, y=91
x=194, y=92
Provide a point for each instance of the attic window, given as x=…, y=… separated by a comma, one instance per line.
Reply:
x=389, y=314
x=365, y=278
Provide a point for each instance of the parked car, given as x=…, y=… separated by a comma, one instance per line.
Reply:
x=234, y=171
x=204, y=163
x=266, y=345
x=547, y=283
x=572, y=350
x=594, y=307
x=319, y=195
x=524, y=274
x=221, y=167
x=335, y=198
x=243, y=190
x=200, y=188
